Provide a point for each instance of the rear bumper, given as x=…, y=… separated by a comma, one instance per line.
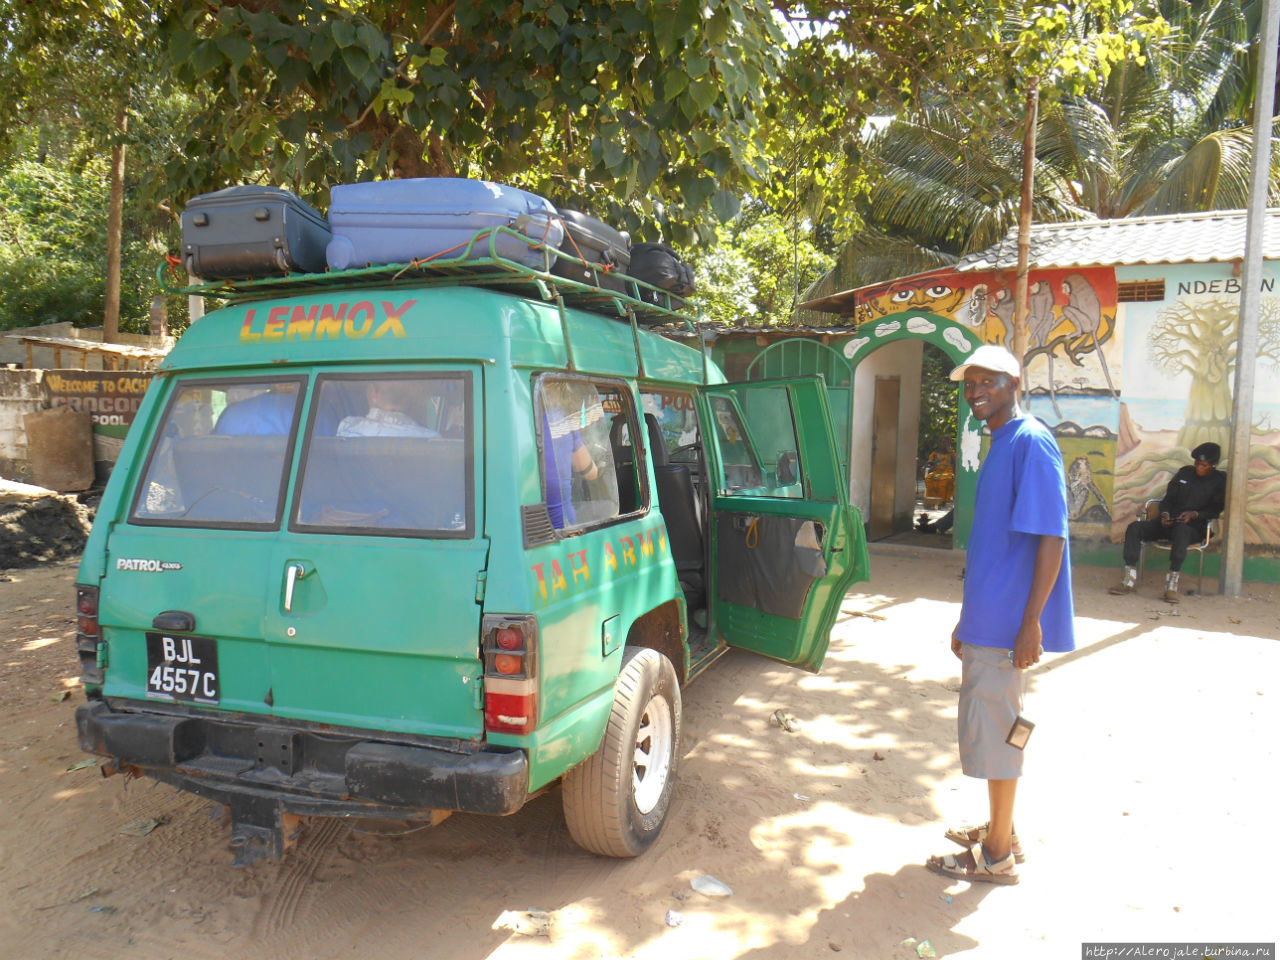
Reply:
x=301, y=770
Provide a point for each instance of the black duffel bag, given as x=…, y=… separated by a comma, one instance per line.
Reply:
x=658, y=265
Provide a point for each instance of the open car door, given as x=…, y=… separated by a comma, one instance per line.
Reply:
x=785, y=543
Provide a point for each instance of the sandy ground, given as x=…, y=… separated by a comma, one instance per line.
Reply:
x=1147, y=810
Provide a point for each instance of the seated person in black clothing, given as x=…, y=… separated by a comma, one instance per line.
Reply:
x=1195, y=495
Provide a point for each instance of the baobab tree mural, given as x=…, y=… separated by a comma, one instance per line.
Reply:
x=1197, y=336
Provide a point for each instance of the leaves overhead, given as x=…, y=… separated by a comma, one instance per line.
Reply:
x=660, y=116
x=664, y=118
x=644, y=111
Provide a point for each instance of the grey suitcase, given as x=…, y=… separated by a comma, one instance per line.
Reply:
x=605, y=252
x=243, y=233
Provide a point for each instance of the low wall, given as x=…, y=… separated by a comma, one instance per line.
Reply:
x=21, y=392
x=111, y=397
x=15, y=352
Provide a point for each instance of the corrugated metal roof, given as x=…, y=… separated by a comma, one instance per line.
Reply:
x=1213, y=237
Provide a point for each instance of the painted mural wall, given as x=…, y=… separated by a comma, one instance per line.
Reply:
x=1072, y=367
x=1127, y=388
x=1180, y=372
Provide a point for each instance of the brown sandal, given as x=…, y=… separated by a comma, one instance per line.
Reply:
x=968, y=836
x=977, y=870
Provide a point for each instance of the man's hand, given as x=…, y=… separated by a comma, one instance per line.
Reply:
x=1026, y=647
x=1166, y=520
x=1186, y=516
x=956, y=643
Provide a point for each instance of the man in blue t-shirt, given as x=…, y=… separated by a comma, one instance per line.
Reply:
x=264, y=414
x=1017, y=604
x=563, y=458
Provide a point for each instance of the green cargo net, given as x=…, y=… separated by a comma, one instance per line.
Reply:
x=476, y=264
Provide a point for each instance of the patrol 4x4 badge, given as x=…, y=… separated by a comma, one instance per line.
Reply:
x=146, y=566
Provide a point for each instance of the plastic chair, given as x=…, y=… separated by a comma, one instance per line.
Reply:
x=939, y=480
x=1151, y=511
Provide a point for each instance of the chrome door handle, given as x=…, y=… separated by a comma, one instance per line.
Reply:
x=293, y=573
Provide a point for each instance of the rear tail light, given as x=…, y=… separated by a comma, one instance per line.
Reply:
x=88, y=635
x=510, y=648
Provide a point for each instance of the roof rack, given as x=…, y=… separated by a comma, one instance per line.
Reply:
x=477, y=264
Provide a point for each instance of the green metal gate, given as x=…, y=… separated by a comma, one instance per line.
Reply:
x=803, y=357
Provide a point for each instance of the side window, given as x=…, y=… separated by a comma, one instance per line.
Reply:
x=218, y=457
x=578, y=423
x=755, y=434
x=388, y=456
x=676, y=413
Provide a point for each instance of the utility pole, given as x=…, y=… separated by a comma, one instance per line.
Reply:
x=1231, y=574
x=1024, y=226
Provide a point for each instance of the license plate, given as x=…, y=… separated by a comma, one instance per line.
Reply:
x=182, y=668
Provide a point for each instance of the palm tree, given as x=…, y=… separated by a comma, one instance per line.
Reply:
x=1171, y=135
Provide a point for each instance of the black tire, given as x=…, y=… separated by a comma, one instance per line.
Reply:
x=615, y=806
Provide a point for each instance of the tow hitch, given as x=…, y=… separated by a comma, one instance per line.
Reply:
x=260, y=828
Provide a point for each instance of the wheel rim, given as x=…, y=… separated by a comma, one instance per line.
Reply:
x=652, y=761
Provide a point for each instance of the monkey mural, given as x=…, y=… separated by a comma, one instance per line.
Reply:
x=1080, y=487
x=977, y=306
x=1084, y=311
x=1002, y=306
x=1040, y=323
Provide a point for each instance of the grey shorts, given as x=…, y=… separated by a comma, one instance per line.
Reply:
x=990, y=699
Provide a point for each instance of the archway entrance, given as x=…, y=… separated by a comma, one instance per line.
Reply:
x=955, y=342
x=839, y=366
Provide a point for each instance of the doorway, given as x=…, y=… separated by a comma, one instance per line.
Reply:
x=884, y=455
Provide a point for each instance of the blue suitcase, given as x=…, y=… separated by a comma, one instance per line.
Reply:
x=396, y=221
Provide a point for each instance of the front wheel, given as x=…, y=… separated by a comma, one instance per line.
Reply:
x=616, y=802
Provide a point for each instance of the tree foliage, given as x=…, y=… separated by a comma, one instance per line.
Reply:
x=53, y=248
x=1165, y=134
x=645, y=112
x=1161, y=130
x=79, y=82
x=939, y=417
x=658, y=115
x=977, y=57
x=754, y=271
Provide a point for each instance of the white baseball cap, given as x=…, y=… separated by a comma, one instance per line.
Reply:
x=990, y=356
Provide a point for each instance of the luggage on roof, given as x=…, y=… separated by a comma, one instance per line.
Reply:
x=398, y=221
x=246, y=232
x=606, y=251
x=658, y=265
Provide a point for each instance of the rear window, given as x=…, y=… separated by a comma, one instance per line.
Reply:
x=388, y=455
x=218, y=459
